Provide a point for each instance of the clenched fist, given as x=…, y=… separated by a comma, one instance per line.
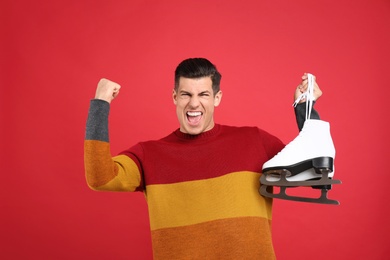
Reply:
x=107, y=90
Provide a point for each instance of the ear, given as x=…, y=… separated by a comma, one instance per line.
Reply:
x=217, y=98
x=174, y=96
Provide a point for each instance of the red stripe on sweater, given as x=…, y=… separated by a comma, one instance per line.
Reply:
x=221, y=151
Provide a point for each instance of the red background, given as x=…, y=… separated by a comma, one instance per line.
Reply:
x=54, y=52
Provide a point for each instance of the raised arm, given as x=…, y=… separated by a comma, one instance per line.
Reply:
x=102, y=171
x=300, y=108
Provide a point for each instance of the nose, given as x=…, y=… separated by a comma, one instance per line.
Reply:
x=194, y=102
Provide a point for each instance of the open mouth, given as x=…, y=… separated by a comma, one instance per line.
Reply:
x=194, y=117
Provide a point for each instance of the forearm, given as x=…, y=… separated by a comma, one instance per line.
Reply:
x=99, y=168
x=102, y=171
x=300, y=114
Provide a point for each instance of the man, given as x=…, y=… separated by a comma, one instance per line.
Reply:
x=201, y=182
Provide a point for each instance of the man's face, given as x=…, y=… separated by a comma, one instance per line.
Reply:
x=195, y=102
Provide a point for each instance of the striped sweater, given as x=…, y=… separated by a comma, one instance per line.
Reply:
x=201, y=191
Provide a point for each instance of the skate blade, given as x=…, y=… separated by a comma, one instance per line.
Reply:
x=283, y=181
x=323, y=199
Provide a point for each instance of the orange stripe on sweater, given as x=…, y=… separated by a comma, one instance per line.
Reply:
x=236, y=238
x=119, y=173
x=99, y=168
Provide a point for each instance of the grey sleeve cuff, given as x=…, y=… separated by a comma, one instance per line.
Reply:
x=97, y=122
x=300, y=114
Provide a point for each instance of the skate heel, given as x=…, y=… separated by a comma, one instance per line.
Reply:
x=323, y=163
x=322, y=187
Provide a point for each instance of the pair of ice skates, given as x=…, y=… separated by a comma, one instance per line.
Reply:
x=307, y=161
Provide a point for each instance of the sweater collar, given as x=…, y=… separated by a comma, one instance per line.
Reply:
x=213, y=132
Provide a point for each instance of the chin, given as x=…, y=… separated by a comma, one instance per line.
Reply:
x=193, y=130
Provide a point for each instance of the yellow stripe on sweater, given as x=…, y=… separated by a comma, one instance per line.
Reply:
x=186, y=203
x=128, y=178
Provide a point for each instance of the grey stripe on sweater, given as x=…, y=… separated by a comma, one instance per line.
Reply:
x=97, y=122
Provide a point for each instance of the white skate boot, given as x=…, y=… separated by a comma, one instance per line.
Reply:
x=306, y=161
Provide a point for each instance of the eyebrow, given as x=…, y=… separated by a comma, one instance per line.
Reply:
x=205, y=92
x=184, y=92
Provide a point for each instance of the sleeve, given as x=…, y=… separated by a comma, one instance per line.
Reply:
x=300, y=114
x=272, y=145
x=103, y=172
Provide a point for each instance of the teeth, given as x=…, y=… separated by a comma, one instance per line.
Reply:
x=194, y=113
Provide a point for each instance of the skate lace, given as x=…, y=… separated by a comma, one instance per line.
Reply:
x=309, y=95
